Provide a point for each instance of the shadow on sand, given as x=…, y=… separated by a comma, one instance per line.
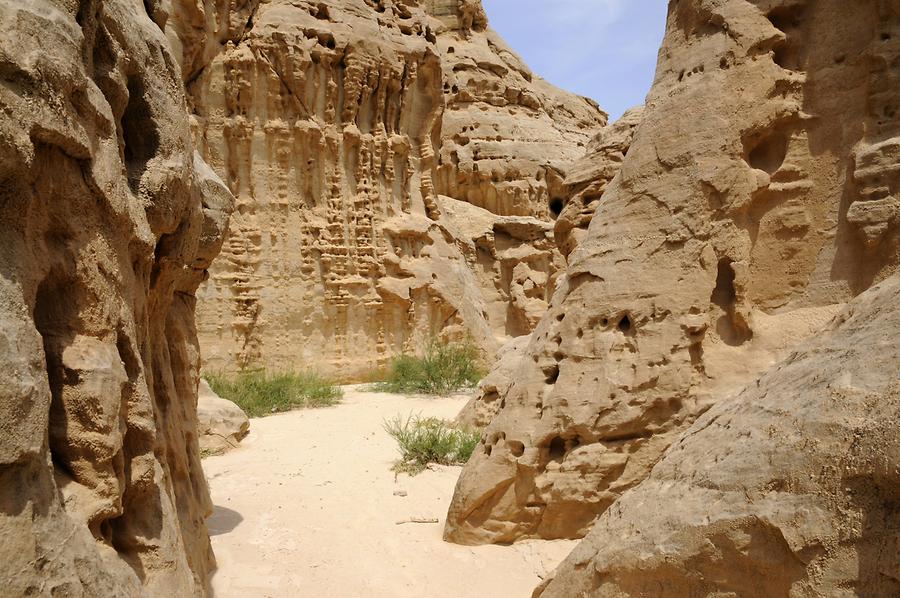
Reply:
x=223, y=521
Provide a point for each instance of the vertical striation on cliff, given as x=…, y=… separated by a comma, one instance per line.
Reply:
x=108, y=221
x=758, y=196
x=349, y=133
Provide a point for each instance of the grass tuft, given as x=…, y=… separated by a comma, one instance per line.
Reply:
x=260, y=393
x=443, y=369
x=430, y=440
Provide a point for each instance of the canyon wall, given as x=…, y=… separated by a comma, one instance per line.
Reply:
x=585, y=181
x=108, y=221
x=395, y=166
x=787, y=489
x=758, y=197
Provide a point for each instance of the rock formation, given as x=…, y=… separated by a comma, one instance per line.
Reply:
x=221, y=424
x=789, y=488
x=586, y=180
x=482, y=408
x=108, y=221
x=345, y=130
x=583, y=186
x=757, y=198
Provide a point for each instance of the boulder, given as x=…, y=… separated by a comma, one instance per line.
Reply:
x=221, y=424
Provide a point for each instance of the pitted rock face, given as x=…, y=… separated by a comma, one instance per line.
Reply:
x=587, y=179
x=107, y=223
x=344, y=129
x=755, y=200
x=789, y=488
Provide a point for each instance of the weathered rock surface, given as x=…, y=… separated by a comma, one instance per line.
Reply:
x=756, y=199
x=587, y=179
x=344, y=128
x=108, y=222
x=221, y=424
x=789, y=488
x=482, y=408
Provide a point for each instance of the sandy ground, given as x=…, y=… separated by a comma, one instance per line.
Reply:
x=308, y=506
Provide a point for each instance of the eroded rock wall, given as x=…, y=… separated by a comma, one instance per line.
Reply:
x=343, y=127
x=587, y=179
x=108, y=221
x=734, y=230
x=789, y=488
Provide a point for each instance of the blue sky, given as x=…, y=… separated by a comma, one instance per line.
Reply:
x=602, y=49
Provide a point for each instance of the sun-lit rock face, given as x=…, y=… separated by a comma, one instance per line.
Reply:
x=587, y=179
x=787, y=489
x=349, y=132
x=757, y=197
x=108, y=221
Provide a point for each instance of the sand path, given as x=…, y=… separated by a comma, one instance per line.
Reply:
x=308, y=506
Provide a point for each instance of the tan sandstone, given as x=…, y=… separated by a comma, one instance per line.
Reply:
x=787, y=489
x=587, y=179
x=221, y=424
x=350, y=132
x=108, y=221
x=583, y=187
x=486, y=403
x=757, y=197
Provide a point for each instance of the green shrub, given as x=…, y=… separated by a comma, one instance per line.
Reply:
x=444, y=368
x=430, y=440
x=261, y=393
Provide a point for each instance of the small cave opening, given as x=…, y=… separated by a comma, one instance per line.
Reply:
x=769, y=153
x=139, y=134
x=556, y=206
x=725, y=295
x=557, y=449
x=731, y=326
x=625, y=324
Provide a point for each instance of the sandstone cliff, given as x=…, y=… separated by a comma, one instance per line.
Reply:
x=350, y=132
x=108, y=221
x=789, y=488
x=759, y=195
